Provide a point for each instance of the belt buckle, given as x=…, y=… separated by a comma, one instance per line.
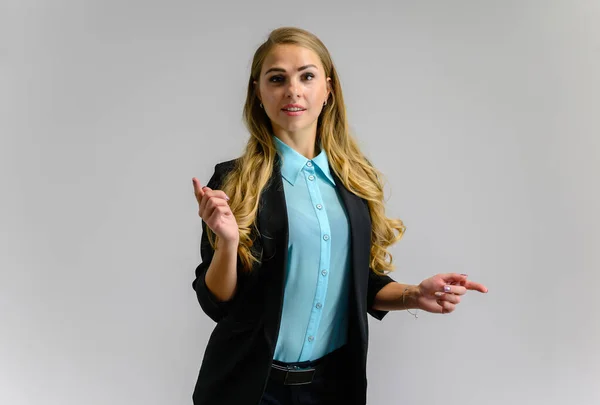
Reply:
x=295, y=371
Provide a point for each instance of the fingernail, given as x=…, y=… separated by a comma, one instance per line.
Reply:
x=447, y=288
x=226, y=198
x=204, y=187
x=439, y=294
x=463, y=274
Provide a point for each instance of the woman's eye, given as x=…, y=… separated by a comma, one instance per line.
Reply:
x=280, y=79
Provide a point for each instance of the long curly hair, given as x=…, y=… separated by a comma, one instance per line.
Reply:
x=245, y=183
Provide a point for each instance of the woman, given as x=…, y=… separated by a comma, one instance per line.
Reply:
x=294, y=244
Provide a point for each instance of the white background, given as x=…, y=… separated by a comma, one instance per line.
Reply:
x=484, y=117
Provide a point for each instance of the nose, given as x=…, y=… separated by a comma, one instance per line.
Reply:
x=293, y=88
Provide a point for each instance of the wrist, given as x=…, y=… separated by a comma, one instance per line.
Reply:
x=411, y=296
x=228, y=246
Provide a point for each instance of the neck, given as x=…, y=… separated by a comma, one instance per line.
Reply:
x=303, y=143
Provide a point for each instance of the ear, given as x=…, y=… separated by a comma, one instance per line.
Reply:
x=329, y=88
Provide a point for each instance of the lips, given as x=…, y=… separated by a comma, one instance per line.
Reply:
x=293, y=108
x=292, y=113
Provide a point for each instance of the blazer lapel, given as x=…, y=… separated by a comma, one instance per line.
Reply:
x=272, y=216
x=274, y=234
x=360, y=248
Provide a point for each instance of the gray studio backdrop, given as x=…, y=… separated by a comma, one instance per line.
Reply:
x=484, y=116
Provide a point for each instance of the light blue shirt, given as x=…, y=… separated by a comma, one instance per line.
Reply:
x=314, y=321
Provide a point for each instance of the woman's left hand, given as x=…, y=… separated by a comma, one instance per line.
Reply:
x=442, y=292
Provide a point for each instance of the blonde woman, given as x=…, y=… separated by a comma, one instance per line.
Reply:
x=294, y=245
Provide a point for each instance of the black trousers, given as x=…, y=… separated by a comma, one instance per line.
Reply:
x=329, y=388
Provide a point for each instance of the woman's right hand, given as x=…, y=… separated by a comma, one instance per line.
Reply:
x=215, y=212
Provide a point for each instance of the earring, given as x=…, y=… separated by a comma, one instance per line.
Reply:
x=261, y=106
x=325, y=103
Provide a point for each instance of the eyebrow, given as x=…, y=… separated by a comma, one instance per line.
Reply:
x=278, y=69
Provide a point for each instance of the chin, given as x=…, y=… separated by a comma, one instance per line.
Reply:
x=295, y=127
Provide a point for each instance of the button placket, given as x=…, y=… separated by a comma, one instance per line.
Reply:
x=313, y=185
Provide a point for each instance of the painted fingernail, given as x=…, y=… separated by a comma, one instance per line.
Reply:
x=439, y=294
x=463, y=274
x=447, y=288
x=226, y=198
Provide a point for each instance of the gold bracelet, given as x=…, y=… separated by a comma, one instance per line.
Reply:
x=413, y=314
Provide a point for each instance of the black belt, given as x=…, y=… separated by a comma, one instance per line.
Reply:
x=305, y=372
x=293, y=375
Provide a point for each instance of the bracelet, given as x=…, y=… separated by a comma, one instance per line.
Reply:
x=413, y=314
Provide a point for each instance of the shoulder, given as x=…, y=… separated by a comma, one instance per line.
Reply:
x=225, y=167
x=221, y=170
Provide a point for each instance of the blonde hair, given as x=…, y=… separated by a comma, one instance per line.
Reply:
x=245, y=183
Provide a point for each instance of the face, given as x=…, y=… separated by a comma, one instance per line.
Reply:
x=292, y=88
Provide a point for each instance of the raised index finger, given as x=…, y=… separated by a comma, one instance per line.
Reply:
x=471, y=285
x=197, y=189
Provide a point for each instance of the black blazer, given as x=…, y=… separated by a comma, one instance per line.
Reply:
x=238, y=356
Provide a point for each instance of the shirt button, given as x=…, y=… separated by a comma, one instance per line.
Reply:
x=311, y=338
x=311, y=177
x=319, y=206
x=319, y=305
x=309, y=164
x=324, y=272
x=326, y=237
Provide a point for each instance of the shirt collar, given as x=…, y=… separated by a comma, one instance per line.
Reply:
x=293, y=162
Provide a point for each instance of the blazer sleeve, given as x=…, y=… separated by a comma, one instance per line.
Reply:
x=376, y=283
x=214, y=308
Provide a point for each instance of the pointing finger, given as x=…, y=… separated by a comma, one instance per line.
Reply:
x=471, y=285
x=197, y=188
